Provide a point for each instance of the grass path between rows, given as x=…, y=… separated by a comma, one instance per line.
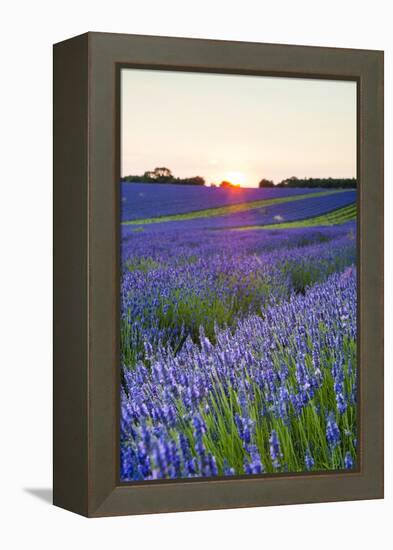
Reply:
x=231, y=209
x=335, y=217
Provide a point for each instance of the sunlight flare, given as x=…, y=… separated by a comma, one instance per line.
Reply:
x=237, y=178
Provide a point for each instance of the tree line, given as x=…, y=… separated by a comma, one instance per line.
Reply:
x=329, y=183
x=161, y=174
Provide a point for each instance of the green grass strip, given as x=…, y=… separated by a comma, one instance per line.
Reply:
x=233, y=208
x=339, y=216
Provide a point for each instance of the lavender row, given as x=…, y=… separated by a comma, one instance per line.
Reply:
x=172, y=287
x=272, y=214
x=143, y=200
x=277, y=393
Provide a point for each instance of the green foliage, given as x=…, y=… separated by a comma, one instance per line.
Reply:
x=329, y=183
x=296, y=436
x=266, y=183
x=163, y=175
x=140, y=264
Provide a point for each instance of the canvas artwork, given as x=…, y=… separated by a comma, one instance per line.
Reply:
x=238, y=306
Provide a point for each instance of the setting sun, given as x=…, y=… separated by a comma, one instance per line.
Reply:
x=236, y=178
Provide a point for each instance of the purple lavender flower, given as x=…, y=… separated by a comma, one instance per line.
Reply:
x=308, y=460
x=228, y=470
x=348, y=461
x=212, y=465
x=275, y=449
x=126, y=463
x=254, y=464
x=341, y=401
x=245, y=427
x=332, y=432
x=199, y=430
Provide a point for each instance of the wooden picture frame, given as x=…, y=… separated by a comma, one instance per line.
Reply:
x=86, y=272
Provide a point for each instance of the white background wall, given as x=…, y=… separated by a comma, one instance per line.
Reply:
x=28, y=29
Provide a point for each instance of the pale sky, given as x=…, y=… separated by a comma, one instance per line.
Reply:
x=235, y=127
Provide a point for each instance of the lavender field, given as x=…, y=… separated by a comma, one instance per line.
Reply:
x=238, y=347
x=142, y=200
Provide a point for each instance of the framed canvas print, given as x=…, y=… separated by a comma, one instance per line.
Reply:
x=218, y=274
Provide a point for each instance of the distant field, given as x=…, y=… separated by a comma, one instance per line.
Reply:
x=276, y=214
x=339, y=216
x=144, y=200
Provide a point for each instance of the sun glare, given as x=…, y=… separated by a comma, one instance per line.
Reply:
x=237, y=178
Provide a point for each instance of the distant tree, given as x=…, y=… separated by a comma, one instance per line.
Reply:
x=163, y=175
x=149, y=175
x=266, y=183
x=328, y=183
x=228, y=184
x=196, y=180
x=290, y=182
